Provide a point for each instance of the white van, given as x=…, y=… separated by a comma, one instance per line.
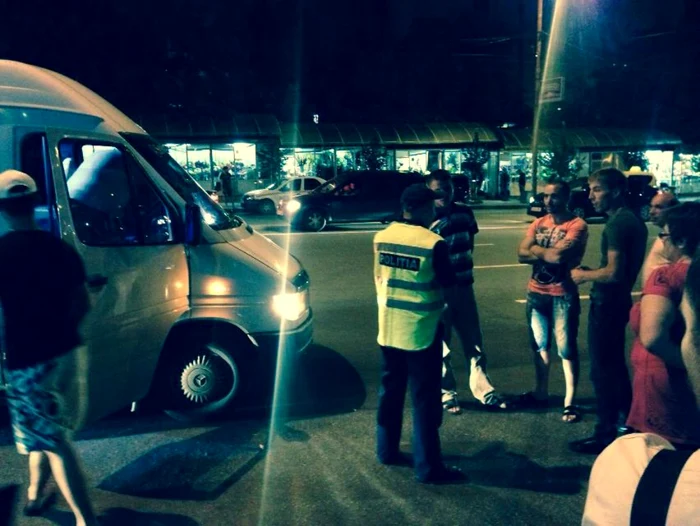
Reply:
x=187, y=301
x=266, y=200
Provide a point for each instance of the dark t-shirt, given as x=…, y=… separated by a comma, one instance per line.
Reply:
x=40, y=279
x=444, y=273
x=627, y=234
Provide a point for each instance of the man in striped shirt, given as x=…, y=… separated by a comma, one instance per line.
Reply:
x=457, y=225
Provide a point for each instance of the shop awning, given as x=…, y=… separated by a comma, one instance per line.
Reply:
x=591, y=139
x=310, y=135
x=200, y=128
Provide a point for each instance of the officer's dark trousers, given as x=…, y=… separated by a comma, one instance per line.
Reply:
x=606, y=345
x=422, y=371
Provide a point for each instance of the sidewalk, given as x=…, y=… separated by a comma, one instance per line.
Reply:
x=498, y=204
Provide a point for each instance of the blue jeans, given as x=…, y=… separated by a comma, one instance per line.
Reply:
x=554, y=315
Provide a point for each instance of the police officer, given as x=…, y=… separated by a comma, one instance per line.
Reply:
x=413, y=276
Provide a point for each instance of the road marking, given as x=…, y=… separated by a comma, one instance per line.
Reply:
x=581, y=297
x=483, y=244
x=501, y=266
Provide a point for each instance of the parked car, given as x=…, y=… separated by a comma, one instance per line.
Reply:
x=639, y=195
x=266, y=200
x=357, y=196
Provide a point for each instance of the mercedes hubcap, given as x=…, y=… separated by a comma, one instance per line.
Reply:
x=198, y=379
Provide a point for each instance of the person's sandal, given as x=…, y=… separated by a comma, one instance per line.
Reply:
x=451, y=405
x=495, y=402
x=571, y=411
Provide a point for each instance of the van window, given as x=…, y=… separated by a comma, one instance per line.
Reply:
x=34, y=161
x=112, y=201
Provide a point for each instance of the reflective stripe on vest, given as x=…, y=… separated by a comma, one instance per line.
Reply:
x=409, y=298
x=404, y=249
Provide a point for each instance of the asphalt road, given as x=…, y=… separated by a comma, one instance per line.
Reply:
x=310, y=460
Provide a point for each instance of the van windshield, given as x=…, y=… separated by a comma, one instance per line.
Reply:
x=157, y=156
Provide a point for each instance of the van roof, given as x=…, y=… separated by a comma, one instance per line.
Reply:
x=32, y=87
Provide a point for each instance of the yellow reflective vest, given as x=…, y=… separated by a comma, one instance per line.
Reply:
x=409, y=297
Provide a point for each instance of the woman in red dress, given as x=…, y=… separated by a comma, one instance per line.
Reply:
x=662, y=401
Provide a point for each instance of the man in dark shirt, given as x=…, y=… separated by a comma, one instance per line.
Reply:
x=457, y=225
x=623, y=247
x=413, y=278
x=43, y=300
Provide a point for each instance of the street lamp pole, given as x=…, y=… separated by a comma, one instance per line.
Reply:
x=536, y=105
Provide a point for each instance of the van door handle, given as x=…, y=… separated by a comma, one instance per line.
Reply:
x=96, y=280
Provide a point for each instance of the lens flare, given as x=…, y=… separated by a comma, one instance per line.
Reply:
x=280, y=404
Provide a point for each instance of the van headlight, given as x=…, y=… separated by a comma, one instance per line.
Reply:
x=291, y=306
x=532, y=199
x=293, y=206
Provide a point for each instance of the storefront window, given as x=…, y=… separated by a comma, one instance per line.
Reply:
x=198, y=163
x=452, y=161
x=412, y=161
x=660, y=164
x=240, y=156
x=197, y=159
x=310, y=161
x=347, y=159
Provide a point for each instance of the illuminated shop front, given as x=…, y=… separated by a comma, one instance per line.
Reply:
x=595, y=148
x=317, y=162
x=686, y=173
x=204, y=162
x=325, y=150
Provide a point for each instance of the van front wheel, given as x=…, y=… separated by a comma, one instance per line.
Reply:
x=202, y=381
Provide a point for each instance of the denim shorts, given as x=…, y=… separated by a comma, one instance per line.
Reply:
x=553, y=315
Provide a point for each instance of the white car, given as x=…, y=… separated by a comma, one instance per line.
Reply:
x=266, y=200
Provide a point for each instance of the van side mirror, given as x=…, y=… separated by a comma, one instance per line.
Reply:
x=193, y=225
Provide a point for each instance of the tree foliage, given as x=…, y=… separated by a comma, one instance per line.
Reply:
x=635, y=158
x=373, y=156
x=561, y=162
x=271, y=159
x=474, y=157
x=695, y=163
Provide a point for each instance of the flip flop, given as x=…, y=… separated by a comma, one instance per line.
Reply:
x=571, y=411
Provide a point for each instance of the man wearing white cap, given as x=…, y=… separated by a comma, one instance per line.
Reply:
x=43, y=299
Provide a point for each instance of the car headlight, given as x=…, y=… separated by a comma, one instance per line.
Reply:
x=532, y=199
x=291, y=306
x=293, y=206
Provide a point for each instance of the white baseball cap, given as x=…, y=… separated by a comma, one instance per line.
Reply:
x=14, y=184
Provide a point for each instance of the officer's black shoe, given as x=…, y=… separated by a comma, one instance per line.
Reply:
x=590, y=446
x=399, y=459
x=444, y=476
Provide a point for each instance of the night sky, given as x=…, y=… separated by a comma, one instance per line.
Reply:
x=626, y=62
